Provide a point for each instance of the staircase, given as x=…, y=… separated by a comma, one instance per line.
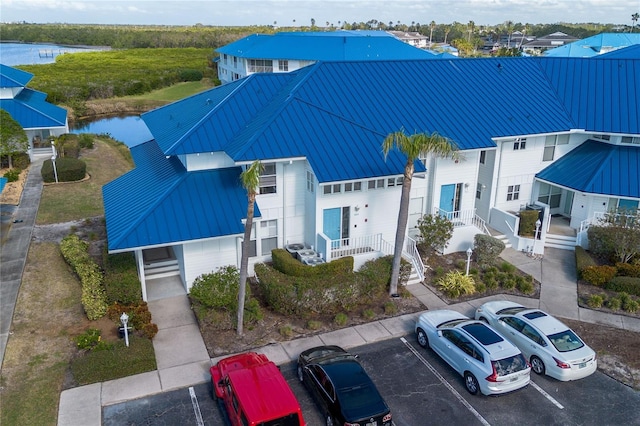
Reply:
x=161, y=269
x=563, y=242
x=504, y=239
x=414, y=278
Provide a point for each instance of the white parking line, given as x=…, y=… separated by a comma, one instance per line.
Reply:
x=546, y=395
x=444, y=382
x=196, y=407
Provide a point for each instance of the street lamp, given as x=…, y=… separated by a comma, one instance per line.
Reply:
x=535, y=236
x=125, y=318
x=469, y=252
x=53, y=160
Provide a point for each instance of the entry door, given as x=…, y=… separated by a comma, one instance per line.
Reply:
x=568, y=203
x=447, y=196
x=331, y=224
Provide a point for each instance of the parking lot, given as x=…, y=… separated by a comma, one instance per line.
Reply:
x=420, y=389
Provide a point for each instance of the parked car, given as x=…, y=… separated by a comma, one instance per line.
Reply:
x=342, y=388
x=550, y=346
x=489, y=363
x=253, y=392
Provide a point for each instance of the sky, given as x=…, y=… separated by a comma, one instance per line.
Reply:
x=284, y=12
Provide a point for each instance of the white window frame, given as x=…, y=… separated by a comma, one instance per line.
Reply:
x=268, y=236
x=479, y=191
x=268, y=182
x=630, y=140
x=550, y=144
x=260, y=65
x=513, y=192
x=375, y=184
x=283, y=65
x=353, y=186
x=311, y=182
x=519, y=144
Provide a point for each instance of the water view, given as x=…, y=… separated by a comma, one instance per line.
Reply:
x=130, y=130
x=31, y=54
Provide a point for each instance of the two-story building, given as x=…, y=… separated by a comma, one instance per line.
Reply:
x=326, y=184
x=39, y=119
x=289, y=51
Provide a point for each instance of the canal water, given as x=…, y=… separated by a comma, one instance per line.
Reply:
x=13, y=54
x=129, y=129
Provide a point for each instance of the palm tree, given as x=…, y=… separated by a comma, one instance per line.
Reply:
x=432, y=25
x=412, y=146
x=634, y=19
x=250, y=179
x=447, y=30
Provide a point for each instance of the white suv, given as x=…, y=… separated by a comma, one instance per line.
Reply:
x=488, y=362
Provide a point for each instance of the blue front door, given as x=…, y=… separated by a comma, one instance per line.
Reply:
x=447, y=195
x=331, y=223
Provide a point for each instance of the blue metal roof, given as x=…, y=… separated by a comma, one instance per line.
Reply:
x=600, y=95
x=324, y=46
x=598, y=168
x=629, y=52
x=30, y=109
x=159, y=202
x=13, y=77
x=594, y=45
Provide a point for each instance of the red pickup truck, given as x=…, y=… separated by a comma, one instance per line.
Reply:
x=254, y=392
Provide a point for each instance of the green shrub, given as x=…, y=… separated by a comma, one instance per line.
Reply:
x=287, y=264
x=368, y=314
x=93, y=297
x=480, y=286
x=68, y=169
x=487, y=249
x=215, y=299
x=12, y=175
x=602, y=242
x=629, y=285
x=508, y=283
x=527, y=225
x=85, y=140
x=340, y=319
x=628, y=269
x=461, y=264
x=631, y=306
x=595, y=301
x=286, y=331
x=314, y=325
x=139, y=317
x=455, y=284
x=68, y=146
x=21, y=160
x=583, y=260
x=435, y=231
x=390, y=308
x=507, y=267
x=191, y=75
x=89, y=339
x=614, y=304
x=491, y=283
x=525, y=285
x=439, y=271
x=598, y=275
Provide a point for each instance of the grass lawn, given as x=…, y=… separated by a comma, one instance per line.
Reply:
x=65, y=202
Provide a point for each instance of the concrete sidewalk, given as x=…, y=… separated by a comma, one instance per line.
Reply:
x=183, y=360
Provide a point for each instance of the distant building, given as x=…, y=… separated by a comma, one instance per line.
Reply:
x=596, y=45
x=547, y=42
x=289, y=51
x=39, y=118
x=413, y=38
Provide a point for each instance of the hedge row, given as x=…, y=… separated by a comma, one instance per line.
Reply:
x=630, y=285
x=319, y=293
x=121, y=281
x=583, y=260
x=68, y=170
x=287, y=264
x=75, y=253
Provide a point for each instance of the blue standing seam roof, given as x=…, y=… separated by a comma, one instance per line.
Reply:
x=592, y=46
x=30, y=109
x=598, y=168
x=13, y=77
x=159, y=202
x=629, y=52
x=324, y=46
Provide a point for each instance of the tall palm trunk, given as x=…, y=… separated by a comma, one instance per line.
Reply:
x=244, y=262
x=403, y=218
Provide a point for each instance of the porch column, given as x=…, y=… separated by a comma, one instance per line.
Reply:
x=143, y=281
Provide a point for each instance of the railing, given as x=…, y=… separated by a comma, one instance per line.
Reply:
x=480, y=223
x=411, y=250
x=458, y=218
x=260, y=68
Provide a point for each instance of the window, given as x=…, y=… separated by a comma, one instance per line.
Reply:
x=375, y=184
x=283, y=66
x=311, y=182
x=602, y=137
x=394, y=182
x=631, y=140
x=235, y=61
x=513, y=192
x=335, y=188
x=550, y=145
x=519, y=144
x=269, y=236
x=483, y=156
x=479, y=191
x=224, y=56
x=353, y=186
x=260, y=65
x=268, y=179
x=550, y=195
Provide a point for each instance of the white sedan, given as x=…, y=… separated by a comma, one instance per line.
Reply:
x=550, y=346
x=488, y=362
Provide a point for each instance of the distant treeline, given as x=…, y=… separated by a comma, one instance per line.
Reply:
x=127, y=36
x=168, y=36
